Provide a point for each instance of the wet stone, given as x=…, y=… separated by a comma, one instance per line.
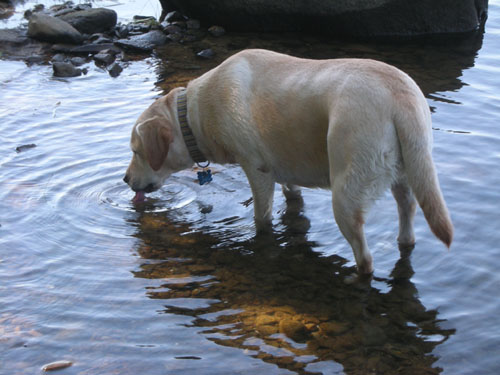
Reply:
x=333, y=328
x=175, y=16
x=266, y=324
x=206, y=54
x=293, y=329
x=92, y=20
x=145, y=42
x=216, y=31
x=62, y=69
x=114, y=70
x=139, y=18
x=172, y=29
x=25, y=147
x=104, y=58
x=100, y=39
x=121, y=31
x=77, y=61
x=53, y=366
x=58, y=57
x=52, y=29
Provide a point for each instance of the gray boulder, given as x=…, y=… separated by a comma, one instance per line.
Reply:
x=91, y=21
x=358, y=18
x=53, y=30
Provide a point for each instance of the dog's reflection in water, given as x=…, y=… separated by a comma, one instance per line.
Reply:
x=276, y=291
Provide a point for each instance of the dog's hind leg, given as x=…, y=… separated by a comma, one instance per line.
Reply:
x=262, y=185
x=349, y=215
x=406, y=210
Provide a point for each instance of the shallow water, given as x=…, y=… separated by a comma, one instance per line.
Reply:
x=180, y=285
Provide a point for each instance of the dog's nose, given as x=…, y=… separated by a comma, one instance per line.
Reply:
x=126, y=179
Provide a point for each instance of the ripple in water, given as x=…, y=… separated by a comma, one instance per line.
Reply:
x=171, y=196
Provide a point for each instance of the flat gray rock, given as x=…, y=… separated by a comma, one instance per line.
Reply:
x=143, y=43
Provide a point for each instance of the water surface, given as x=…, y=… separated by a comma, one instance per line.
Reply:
x=180, y=285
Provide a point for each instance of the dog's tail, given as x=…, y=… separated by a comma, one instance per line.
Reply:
x=413, y=127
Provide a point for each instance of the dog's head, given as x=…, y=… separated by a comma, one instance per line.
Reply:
x=158, y=147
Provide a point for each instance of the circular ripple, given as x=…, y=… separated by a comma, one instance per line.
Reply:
x=102, y=204
x=171, y=196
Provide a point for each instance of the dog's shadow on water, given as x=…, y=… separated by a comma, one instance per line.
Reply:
x=283, y=302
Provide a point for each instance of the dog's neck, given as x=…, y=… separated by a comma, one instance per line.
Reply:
x=187, y=134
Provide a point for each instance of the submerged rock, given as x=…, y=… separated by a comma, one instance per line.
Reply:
x=206, y=54
x=294, y=329
x=216, y=30
x=57, y=365
x=52, y=29
x=91, y=21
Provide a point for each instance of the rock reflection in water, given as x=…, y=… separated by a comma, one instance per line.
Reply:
x=435, y=64
x=282, y=302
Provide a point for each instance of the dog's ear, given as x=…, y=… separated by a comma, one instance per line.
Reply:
x=156, y=137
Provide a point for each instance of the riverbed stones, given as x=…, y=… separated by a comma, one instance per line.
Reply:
x=90, y=21
x=52, y=29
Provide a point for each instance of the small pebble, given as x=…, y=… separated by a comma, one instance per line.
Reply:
x=114, y=70
x=206, y=54
x=216, y=31
x=58, y=57
x=56, y=365
x=25, y=147
x=104, y=58
x=78, y=61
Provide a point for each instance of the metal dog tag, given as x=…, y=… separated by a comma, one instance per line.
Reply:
x=205, y=176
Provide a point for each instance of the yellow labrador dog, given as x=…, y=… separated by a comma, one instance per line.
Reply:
x=354, y=126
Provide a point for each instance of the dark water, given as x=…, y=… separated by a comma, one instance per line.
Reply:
x=180, y=285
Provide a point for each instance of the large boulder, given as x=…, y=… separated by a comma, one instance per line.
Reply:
x=91, y=21
x=52, y=29
x=358, y=18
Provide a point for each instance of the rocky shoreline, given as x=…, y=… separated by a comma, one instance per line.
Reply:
x=69, y=36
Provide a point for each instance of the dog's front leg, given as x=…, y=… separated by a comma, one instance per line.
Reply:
x=262, y=185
